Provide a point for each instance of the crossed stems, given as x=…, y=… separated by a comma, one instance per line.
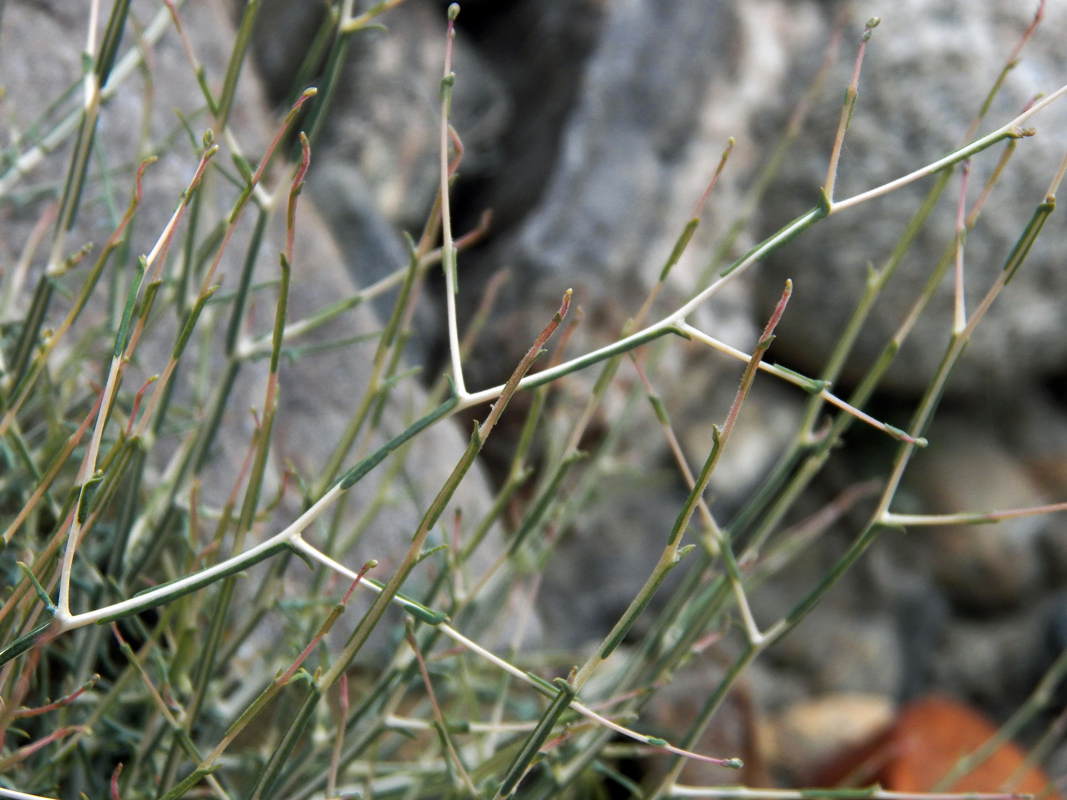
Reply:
x=676, y=322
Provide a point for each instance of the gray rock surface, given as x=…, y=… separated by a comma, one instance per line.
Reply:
x=614, y=132
x=980, y=567
x=866, y=654
x=646, y=85
x=927, y=69
x=387, y=118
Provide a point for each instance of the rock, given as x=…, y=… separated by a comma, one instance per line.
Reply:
x=837, y=653
x=922, y=615
x=806, y=734
x=1037, y=435
x=993, y=663
x=765, y=427
x=980, y=567
x=632, y=130
x=281, y=38
x=927, y=69
x=371, y=247
x=603, y=562
x=1036, y=432
x=774, y=689
x=378, y=159
x=645, y=85
x=925, y=742
x=633, y=158
x=539, y=50
x=386, y=121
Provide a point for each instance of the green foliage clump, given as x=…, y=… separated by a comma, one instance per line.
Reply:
x=134, y=664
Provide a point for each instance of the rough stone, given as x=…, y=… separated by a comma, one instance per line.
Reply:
x=983, y=567
x=837, y=653
x=810, y=732
x=993, y=663
x=387, y=120
x=928, y=67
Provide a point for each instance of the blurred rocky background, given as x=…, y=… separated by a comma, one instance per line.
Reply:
x=591, y=128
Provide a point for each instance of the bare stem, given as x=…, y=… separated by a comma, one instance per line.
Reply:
x=448, y=252
x=851, y=94
x=959, y=321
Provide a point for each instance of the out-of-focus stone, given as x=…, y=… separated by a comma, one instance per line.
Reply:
x=925, y=743
x=808, y=733
x=838, y=653
x=607, y=556
x=995, y=663
x=1037, y=434
x=387, y=117
x=765, y=427
x=927, y=69
x=378, y=159
x=633, y=158
x=984, y=567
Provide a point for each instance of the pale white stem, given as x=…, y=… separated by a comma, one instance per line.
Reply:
x=94, y=22
x=91, y=86
x=448, y=250
x=448, y=259
x=11, y=793
x=752, y=631
x=1055, y=185
x=163, y=237
x=587, y=712
x=89, y=464
x=959, y=320
x=969, y=518
x=785, y=375
x=948, y=160
x=290, y=534
x=87, y=469
x=476, y=648
x=833, y=399
x=408, y=723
